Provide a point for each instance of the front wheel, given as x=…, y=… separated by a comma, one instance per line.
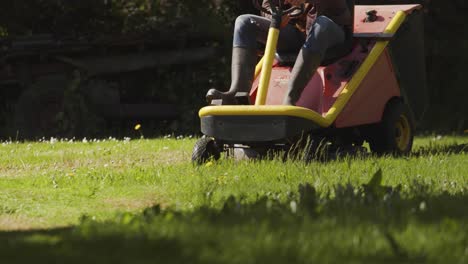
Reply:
x=204, y=150
x=395, y=133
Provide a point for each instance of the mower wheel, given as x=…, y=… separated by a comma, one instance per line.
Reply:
x=395, y=133
x=204, y=150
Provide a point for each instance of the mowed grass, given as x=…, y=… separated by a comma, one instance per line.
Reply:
x=141, y=201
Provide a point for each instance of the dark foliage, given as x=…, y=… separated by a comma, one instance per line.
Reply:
x=446, y=56
x=182, y=21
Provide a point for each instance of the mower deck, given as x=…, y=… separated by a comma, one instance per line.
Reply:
x=267, y=123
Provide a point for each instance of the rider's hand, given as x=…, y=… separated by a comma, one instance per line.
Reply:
x=285, y=21
x=295, y=2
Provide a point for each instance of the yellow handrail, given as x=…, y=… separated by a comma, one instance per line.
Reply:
x=268, y=60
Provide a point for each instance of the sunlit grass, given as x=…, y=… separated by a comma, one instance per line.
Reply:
x=109, y=183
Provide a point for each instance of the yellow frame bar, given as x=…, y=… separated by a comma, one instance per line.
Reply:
x=258, y=68
x=335, y=110
x=369, y=62
x=268, y=60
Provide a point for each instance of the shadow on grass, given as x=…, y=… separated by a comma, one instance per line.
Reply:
x=73, y=245
x=370, y=223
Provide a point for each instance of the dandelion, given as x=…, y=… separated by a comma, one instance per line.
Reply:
x=137, y=128
x=209, y=164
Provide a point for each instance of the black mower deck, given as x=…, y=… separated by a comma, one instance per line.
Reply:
x=248, y=129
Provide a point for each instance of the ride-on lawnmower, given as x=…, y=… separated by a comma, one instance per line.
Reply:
x=374, y=92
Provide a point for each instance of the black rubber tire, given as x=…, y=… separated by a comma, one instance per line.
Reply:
x=395, y=133
x=205, y=149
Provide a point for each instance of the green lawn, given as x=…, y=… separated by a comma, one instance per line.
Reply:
x=142, y=201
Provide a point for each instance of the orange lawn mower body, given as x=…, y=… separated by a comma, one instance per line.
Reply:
x=375, y=93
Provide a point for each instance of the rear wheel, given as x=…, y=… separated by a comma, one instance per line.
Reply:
x=204, y=150
x=394, y=135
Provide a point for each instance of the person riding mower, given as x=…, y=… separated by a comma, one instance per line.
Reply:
x=324, y=90
x=323, y=25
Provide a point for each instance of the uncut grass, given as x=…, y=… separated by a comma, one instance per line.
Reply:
x=355, y=225
x=57, y=183
x=427, y=223
x=45, y=185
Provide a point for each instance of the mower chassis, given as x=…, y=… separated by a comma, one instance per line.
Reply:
x=262, y=124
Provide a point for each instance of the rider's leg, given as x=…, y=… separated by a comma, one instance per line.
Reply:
x=324, y=34
x=249, y=31
x=242, y=73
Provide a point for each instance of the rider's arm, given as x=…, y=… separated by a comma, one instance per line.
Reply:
x=266, y=5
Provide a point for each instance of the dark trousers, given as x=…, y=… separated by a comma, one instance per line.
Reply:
x=251, y=29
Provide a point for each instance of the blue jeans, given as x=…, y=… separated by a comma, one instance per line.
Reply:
x=251, y=29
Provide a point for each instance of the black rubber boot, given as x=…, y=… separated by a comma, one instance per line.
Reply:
x=242, y=74
x=305, y=66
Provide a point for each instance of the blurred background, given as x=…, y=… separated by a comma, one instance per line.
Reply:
x=94, y=68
